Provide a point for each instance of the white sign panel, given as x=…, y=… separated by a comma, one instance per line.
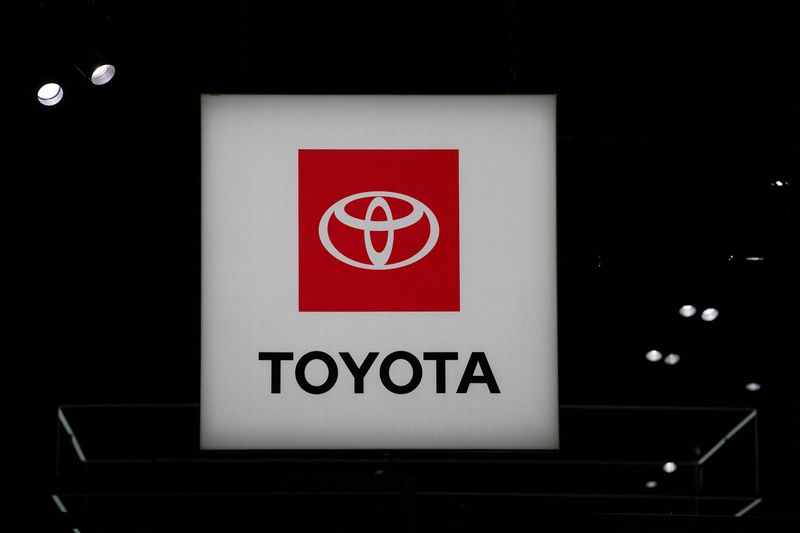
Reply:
x=378, y=272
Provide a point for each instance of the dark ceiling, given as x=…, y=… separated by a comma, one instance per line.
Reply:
x=676, y=124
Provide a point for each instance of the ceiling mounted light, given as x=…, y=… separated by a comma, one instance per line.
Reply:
x=672, y=359
x=50, y=94
x=653, y=356
x=651, y=484
x=669, y=467
x=96, y=66
x=687, y=310
x=102, y=74
x=753, y=387
x=709, y=314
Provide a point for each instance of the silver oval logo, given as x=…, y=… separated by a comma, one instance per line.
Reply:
x=378, y=259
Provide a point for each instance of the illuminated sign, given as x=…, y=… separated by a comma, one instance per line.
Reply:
x=378, y=272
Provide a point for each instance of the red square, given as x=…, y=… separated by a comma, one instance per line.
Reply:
x=378, y=230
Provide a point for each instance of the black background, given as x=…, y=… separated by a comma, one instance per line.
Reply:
x=675, y=121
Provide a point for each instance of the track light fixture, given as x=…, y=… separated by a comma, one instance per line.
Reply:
x=49, y=81
x=96, y=68
x=74, y=34
x=50, y=94
x=102, y=74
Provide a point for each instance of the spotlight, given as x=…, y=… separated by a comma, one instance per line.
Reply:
x=669, y=467
x=50, y=94
x=709, y=314
x=779, y=183
x=687, y=310
x=96, y=67
x=653, y=356
x=651, y=484
x=672, y=359
x=103, y=74
x=754, y=258
x=753, y=387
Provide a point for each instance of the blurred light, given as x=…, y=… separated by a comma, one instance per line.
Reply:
x=687, y=310
x=754, y=258
x=651, y=484
x=672, y=359
x=669, y=467
x=103, y=74
x=709, y=314
x=779, y=183
x=753, y=387
x=59, y=503
x=50, y=94
x=653, y=356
